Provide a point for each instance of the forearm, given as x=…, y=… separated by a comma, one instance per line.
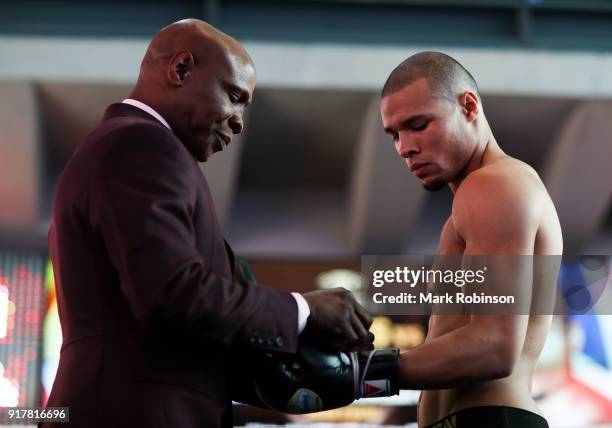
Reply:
x=216, y=308
x=459, y=357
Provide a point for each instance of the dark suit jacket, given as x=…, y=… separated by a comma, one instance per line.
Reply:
x=148, y=305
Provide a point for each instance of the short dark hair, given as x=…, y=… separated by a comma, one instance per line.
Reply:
x=445, y=75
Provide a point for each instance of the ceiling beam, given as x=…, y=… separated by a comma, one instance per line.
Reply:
x=317, y=66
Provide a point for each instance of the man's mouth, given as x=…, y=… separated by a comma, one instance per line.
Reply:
x=224, y=139
x=416, y=167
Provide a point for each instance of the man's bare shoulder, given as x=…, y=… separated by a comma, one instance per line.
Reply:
x=500, y=198
x=505, y=181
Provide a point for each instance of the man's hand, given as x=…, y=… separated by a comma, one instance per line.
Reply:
x=338, y=321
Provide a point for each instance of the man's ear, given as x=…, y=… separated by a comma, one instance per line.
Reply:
x=180, y=67
x=470, y=105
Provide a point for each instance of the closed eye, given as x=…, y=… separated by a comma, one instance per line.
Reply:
x=394, y=136
x=233, y=96
x=420, y=127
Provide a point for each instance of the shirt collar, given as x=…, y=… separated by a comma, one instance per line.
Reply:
x=147, y=109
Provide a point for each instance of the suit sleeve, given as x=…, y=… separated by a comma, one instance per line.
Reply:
x=144, y=196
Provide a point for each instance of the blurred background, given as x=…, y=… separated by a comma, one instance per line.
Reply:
x=314, y=183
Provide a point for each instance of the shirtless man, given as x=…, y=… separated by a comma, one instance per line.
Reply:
x=475, y=370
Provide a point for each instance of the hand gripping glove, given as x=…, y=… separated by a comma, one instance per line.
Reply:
x=313, y=379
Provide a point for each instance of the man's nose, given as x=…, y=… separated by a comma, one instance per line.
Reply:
x=406, y=146
x=236, y=124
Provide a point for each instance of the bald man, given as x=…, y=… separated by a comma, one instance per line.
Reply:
x=475, y=370
x=150, y=307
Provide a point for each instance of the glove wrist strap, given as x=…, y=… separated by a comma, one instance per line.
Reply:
x=359, y=382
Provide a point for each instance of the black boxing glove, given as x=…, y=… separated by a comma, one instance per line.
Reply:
x=378, y=372
x=313, y=379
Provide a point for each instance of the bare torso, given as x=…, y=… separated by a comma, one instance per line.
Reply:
x=514, y=390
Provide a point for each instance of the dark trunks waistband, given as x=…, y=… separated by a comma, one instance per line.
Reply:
x=491, y=417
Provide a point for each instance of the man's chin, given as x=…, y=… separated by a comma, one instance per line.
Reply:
x=200, y=155
x=205, y=154
x=434, y=185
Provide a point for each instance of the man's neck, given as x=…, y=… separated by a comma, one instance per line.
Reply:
x=486, y=152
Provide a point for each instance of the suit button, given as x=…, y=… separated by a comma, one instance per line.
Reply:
x=279, y=341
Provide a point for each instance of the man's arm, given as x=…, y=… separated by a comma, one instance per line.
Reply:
x=142, y=202
x=495, y=216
